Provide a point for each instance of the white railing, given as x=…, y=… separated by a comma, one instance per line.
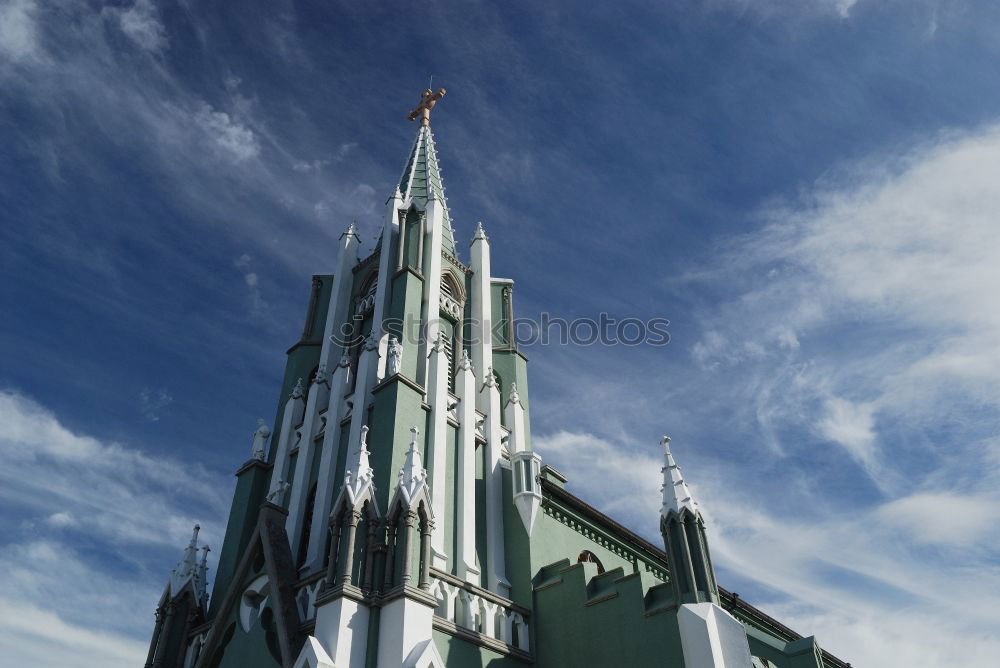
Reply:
x=477, y=611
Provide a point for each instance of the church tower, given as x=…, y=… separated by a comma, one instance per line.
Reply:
x=397, y=515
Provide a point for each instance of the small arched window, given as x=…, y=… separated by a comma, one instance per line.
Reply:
x=452, y=297
x=588, y=557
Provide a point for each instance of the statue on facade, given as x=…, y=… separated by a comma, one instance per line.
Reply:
x=260, y=437
x=394, y=364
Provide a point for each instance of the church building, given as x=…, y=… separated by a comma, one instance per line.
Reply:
x=396, y=514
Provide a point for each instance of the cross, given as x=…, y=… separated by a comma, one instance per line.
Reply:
x=427, y=101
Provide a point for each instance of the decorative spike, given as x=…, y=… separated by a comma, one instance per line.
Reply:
x=515, y=398
x=676, y=494
x=438, y=346
x=465, y=364
x=490, y=380
x=298, y=390
x=480, y=233
x=413, y=475
x=359, y=475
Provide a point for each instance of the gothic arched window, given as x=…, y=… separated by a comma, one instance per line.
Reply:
x=588, y=557
x=452, y=308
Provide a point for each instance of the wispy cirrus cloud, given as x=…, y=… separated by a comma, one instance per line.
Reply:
x=77, y=587
x=855, y=360
x=106, y=489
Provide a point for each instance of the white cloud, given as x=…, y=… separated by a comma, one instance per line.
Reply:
x=141, y=23
x=115, y=492
x=18, y=30
x=871, y=302
x=851, y=425
x=900, y=250
x=229, y=137
x=152, y=403
x=946, y=519
x=61, y=519
x=67, y=606
x=618, y=482
x=258, y=306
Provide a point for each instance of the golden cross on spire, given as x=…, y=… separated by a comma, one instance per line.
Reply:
x=427, y=101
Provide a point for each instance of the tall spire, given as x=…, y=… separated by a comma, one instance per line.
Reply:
x=421, y=181
x=676, y=494
x=190, y=569
x=691, y=574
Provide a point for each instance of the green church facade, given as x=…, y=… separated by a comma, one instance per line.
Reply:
x=396, y=514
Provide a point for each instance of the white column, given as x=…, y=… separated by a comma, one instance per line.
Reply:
x=711, y=637
x=493, y=483
x=319, y=396
x=515, y=422
x=488, y=401
x=371, y=364
x=294, y=409
x=340, y=297
x=435, y=374
x=331, y=399
x=438, y=440
x=404, y=627
x=482, y=310
x=342, y=630
x=465, y=505
x=326, y=484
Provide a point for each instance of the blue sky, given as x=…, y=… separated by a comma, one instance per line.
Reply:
x=806, y=189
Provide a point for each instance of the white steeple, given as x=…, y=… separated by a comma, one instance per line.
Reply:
x=676, y=495
x=413, y=476
x=189, y=569
x=360, y=475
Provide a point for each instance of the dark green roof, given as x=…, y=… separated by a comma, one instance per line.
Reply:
x=422, y=176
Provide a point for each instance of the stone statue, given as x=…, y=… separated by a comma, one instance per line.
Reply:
x=260, y=440
x=394, y=364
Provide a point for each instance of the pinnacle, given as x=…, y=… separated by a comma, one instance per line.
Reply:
x=421, y=181
x=676, y=494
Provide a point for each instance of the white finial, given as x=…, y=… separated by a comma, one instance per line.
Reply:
x=490, y=380
x=412, y=476
x=676, y=494
x=480, y=233
x=394, y=364
x=438, y=345
x=464, y=363
x=359, y=471
x=298, y=391
x=322, y=375
x=345, y=360
x=259, y=444
x=515, y=398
